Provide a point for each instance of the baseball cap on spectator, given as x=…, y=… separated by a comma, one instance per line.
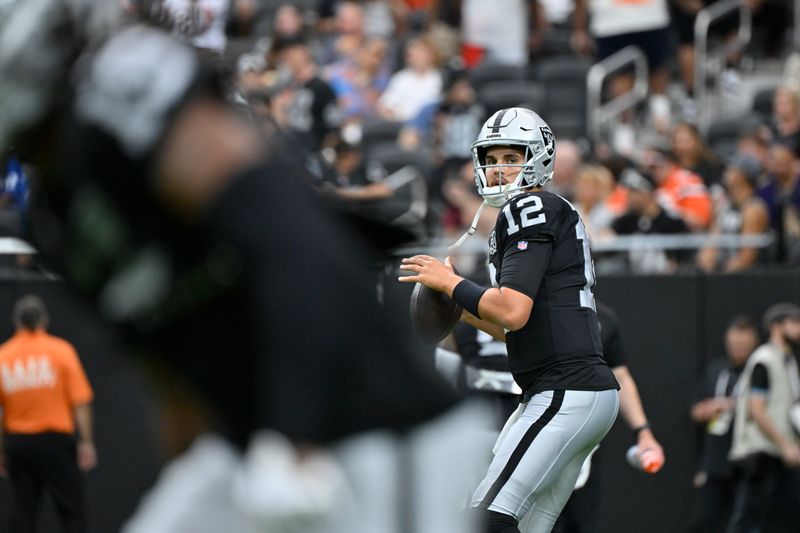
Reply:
x=749, y=166
x=636, y=181
x=779, y=312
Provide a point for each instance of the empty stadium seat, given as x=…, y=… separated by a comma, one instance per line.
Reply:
x=564, y=80
x=392, y=157
x=729, y=129
x=498, y=95
x=379, y=132
x=762, y=102
x=486, y=73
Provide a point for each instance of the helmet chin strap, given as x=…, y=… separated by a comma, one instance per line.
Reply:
x=471, y=230
x=474, y=226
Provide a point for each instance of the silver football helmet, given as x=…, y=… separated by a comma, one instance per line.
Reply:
x=516, y=127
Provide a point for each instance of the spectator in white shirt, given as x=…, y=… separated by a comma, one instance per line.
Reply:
x=417, y=85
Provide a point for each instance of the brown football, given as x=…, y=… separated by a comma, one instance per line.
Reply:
x=433, y=313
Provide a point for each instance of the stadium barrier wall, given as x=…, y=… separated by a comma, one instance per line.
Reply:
x=672, y=326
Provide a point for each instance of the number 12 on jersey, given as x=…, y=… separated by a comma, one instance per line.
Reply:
x=525, y=214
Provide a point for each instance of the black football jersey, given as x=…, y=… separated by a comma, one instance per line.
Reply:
x=611, y=336
x=539, y=247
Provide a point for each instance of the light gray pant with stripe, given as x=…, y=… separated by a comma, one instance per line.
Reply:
x=539, y=454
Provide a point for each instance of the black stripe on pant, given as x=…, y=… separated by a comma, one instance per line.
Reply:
x=522, y=447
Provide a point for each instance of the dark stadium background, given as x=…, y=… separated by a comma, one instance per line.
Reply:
x=671, y=325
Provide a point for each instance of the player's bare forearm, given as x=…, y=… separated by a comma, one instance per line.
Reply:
x=630, y=403
x=497, y=332
x=505, y=307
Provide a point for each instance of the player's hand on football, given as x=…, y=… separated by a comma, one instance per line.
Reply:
x=430, y=272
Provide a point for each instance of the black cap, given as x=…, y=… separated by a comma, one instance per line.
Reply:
x=780, y=312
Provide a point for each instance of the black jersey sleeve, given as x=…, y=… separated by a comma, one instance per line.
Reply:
x=524, y=269
x=611, y=336
x=760, y=379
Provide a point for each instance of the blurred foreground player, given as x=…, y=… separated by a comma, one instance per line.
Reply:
x=202, y=244
x=542, y=306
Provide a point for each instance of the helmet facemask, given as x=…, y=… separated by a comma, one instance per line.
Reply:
x=496, y=195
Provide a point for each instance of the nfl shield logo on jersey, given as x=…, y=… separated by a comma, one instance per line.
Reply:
x=522, y=245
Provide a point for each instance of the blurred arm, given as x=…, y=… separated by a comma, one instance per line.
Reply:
x=630, y=404
x=757, y=406
x=580, y=40
x=87, y=455
x=754, y=222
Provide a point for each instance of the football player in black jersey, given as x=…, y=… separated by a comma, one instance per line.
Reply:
x=200, y=242
x=543, y=307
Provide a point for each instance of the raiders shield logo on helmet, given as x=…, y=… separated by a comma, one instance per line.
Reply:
x=549, y=140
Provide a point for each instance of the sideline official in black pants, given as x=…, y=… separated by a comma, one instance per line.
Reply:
x=45, y=397
x=45, y=460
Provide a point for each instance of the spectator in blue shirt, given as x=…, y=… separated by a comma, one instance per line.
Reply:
x=781, y=192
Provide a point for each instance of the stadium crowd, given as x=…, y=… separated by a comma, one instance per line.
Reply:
x=374, y=87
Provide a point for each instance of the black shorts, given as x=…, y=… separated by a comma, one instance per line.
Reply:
x=656, y=45
x=683, y=24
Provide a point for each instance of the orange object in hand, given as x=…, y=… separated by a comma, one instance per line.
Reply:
x=647, y=460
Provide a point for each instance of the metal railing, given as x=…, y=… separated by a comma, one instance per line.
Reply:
x=796, y=29
x=709, y=63
x=601, y=116
x=613, y=243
